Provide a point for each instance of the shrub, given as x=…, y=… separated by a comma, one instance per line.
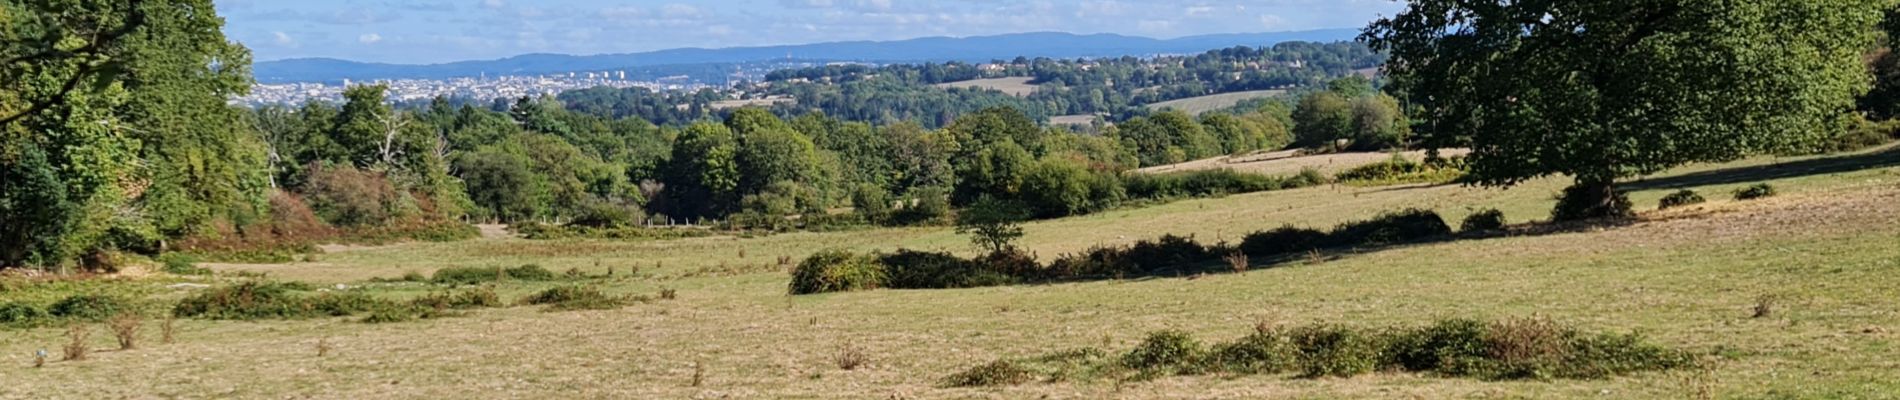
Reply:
x=346, y=196
x=997, y=373
x=1205, y=183
x=1096, y=261
x=1169, y=351
x=1169, y=252
x=993, y=225
x=389, y=316
x=927, y=206
x=837, y=271
x=604, y=214
x=1450, y=345
x=271, y=300
x=20, y=313
x=1009, y=265
x=1581, y=202
x=1264, y=352
x=473, y=298
x=1389, y=228
x=475, y=275
x=1284, y=240
x=125, y=328
x=1336, y=351
x=1060, y=188
x=88, y=307
x=181, y=264
x=1681, y=198
x=1758, y=191
x=1486, y=220
x=567, y=298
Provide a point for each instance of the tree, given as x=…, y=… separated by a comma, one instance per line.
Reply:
x=997, y=171
x=502, y=186
x=1377, y=123
x=993, y=225
x=703, y=177
x=33, y=205
x=1322, y=120
x=67, y=46
x=1605, y=89
x=1883, y=102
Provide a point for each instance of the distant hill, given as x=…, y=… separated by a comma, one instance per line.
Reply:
x=932, y=49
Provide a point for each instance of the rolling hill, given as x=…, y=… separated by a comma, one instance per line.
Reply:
x=931, y=49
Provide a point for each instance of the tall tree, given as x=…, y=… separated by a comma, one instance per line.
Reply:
x=1604, y=89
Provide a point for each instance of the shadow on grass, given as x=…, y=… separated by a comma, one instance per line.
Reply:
x=1875, y=159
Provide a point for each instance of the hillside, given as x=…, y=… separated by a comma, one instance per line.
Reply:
x=1685, y=278
x=1202, y=104
x=930, y=49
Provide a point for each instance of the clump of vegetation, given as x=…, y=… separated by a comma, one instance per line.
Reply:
x=1486, y=220
x=76, y=345
x=1400, y=170
x=478, y=275
x=14, y=313
x=459, y=300
x=125, y=328
x=907, y=269
x=272, y=300
x=1283, y=240
x=837, y=271
x=573, y=298
x=1389, y=228
x=1584, y=202
x=1681, y=198
x=1757, y=191
x=89, y=307
x=1506, y=350
x=181, y=264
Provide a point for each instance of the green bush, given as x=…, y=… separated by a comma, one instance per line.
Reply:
x=908, y=269
x=1486, y=220
x=89, y=307
x=997, y=373
x=1578, y=202
x=1400, y=170
x=1284, y=240
x=1389, y=228
x=568, y=298
x=477, y=275
x=181, y=264
x=1165, y=352
x=466, y=299
x=1681, y=198
x=1204, y=183
x=1264, y=352
x=1336, y=351
x=270, y=300
x=20, y=313
x=1096, y=261
x=1758, y=191
x=1168, y=252
x=837, y=271
x=924, y=207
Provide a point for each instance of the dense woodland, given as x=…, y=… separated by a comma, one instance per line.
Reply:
x=118, y=140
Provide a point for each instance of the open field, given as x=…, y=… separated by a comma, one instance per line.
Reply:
x=1014, y=86
x=765, y=102
x=1073, y=120
x=1828, y=250
x=1203, y=104
x=1288, y=162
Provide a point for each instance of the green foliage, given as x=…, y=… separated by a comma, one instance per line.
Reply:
x=272, y=300
x=993, y=225
x=1284, y=240
x=181, y=264
x=1680, y=198
x=996, y=373
x=1169, y=137
x=459, y=300
x=1591, y=201
x=1322, y=120
x=1756, y=191
x=346, y=196
x=89, y=307
x=703, y=177
x=1056, y=188
x=1263, y=352
x=14, y=313
x=477, y=275
x=34, y=213
x=837, y=271
x=1486, y=220
x=1336, y=351
x=996, y=171
x=1646, y=87
x=1378, y=123
x=908, y=269
x=1400, y=170
x=1165, y=352
x=574, y=298
x=1389, y=228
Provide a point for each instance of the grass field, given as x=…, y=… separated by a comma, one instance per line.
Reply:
x=1288, y=162
x=1203, y=104
x=1827, y=251
x=1014, y=86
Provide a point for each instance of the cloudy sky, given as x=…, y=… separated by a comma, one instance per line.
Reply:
x=431, y=31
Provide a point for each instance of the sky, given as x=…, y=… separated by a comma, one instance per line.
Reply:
x=434, y=31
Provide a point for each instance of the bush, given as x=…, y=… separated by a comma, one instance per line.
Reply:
x=87, y=307
x=1581, y=202
x=1486, y=220
x=1169, y=252
x=997, y=373
x=181, y=264
x=476, y=275
x=1758, y=191
x=1336, y=351
x=837, y=271
x=270, y=300
x=20, y=313
x=467, y=299
x=927, y=206
x=1681, y=198
x=1400, y=170
x=1096, y=261
x=1205, y=183
x=1264, y=352
x=604, y=214
x=1168, y=351
x=1284, y=240
x=568, y=298
x=1058, y=189
x=1389, y=228
x=346, y=196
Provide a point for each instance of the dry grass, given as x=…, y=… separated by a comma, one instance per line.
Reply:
x=125, y=328
x=76, y=346
x=1289, y=162
x=1213, y=102
x=1678, y=277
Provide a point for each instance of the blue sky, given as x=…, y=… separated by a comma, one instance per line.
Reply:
x=431, y=31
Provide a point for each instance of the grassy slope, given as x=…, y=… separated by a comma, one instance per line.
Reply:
x=1014, y=86
x=1202, y=104
x=1829, y=248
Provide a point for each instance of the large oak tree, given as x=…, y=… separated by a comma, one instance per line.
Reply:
x=1606, y=89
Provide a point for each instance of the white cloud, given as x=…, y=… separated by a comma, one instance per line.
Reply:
x=369, y=38
x=677, y=10
x=282, y=39
x=493, y=4
x=623, y=12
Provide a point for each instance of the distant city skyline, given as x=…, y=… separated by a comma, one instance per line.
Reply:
x=437, y=31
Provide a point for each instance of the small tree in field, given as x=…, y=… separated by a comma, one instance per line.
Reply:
x=993, y=225
x=1607, y=89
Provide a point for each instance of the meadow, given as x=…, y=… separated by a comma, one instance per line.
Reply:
x=1214, y=102
x=1793, y=296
